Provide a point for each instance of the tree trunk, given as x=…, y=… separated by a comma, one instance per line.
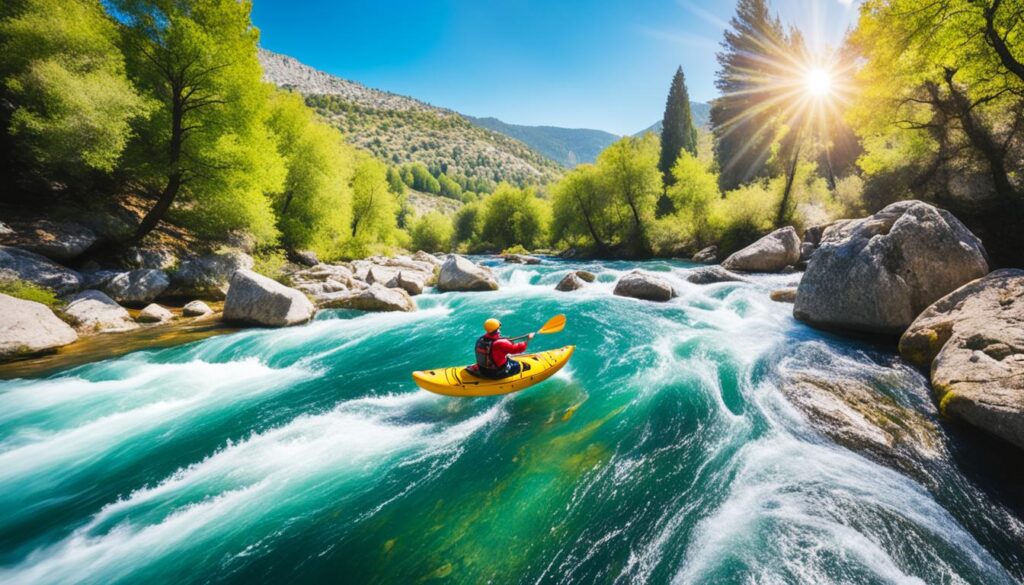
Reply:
x=601, y=247
x=981, y=138
x=787, y=191
x=287, y=202
x=999, y=44
x=174, y=178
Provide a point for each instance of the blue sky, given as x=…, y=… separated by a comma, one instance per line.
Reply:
x=602, y=64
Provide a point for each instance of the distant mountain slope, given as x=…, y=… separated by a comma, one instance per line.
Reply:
x=701, y=118
x=567, y=146
x=400, y=129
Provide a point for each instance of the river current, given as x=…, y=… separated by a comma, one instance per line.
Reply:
x=664, y=452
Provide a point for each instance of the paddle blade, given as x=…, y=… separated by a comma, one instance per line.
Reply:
x=554, y=325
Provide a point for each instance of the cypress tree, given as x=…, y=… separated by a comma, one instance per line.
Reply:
x=677, y=130
x=752, y=52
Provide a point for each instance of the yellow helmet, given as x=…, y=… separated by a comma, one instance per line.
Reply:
x=492, y=325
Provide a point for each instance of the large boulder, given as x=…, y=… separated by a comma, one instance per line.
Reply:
x=208, y=276
x=411, y=264
x=875, y=275
x=137, y=287
x=304, y=257
x=158, y=257
x=154, y=313
x=257, y=300
x=459, y=274
x=771, y=253
x=973, y=341
x=570, y=282
x=707, y=255
x=375, y=298
x=60, y=241
x=411, y=281
x=91, y=311
x=422, y=256
x=29, y=328
x=712, y=275
x=644, y=286
x=38, y=270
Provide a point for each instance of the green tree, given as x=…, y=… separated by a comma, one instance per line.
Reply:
x=449, y=188
x=513, y=216
x=422, y=180
x=64, y=76
x=583, y=210
x=693, y=193
x=374, y=207
x=395, y=182
x=433, y=233
x=678, y=134
x=744, y=128
x=469, y=223
x=629, y=168
x=314, y=207
x=206, y=145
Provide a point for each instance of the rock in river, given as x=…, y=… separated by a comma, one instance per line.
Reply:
x=459, y=274
x=196, y=309
x=973, y=341
x=570, y=282
x=771, y=253
x=644, y=286
x=375, y=298
x=257, y=300
x=208, y=276
x=707, y=255
x=28, y=328
x=154, y=313
x=712, y=275
x=91, y=311
x=876, y=274
x=137, y=286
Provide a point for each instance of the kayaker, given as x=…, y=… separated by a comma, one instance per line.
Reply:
x=492, y=351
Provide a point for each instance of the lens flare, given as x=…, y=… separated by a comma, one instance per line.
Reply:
x=818, y=82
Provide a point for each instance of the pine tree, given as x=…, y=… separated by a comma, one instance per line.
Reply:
x=742, y=126
x=678, y=132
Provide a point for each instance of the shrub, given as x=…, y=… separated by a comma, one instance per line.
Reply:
x=433, y=233
x=28, y=291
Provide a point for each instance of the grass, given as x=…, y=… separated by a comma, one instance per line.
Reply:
x=30, y=292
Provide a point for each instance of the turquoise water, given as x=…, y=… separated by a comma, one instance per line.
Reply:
x=664, y=452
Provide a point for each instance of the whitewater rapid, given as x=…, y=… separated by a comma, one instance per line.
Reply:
x=664, y=452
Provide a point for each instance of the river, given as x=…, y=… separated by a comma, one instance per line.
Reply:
x=664, y=452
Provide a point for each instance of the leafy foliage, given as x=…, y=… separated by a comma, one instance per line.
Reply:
x=433, y=233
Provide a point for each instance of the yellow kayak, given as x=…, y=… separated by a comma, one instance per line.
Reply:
x=456, y=381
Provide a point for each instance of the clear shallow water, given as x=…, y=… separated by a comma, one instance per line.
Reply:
x=664, y=452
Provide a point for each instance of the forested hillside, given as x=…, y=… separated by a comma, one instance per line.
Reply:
x=402, y=130
x=567, y=146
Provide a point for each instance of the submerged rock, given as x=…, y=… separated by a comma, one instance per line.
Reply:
x=196, y=309
x=257, y=300
x=154, y=313
x=712, y=275
x=91, y=311
x=459, y=274
x=644, y=286
x=38, y=270
x=859, y=417
x=771, y=253
x=521, y=259
x=570, y=282
x=973, y=341
x=586, y=276
x=875, y=275
x=375, y=298
x=29, y=328
x=137, y=286
x=783, y=295
x=707, y=255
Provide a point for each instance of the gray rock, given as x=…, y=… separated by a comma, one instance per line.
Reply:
x=771, y=253
x=257, y=300
x=973, y=341
x=60, y=241
x=137, y=286
x=304, y=257
x=97, y=279
x=586, y=276
x=645, y=286
x=316, y=289
x=875, y=275
x=712, y=275
x=157, y=258
x=707, y=255
x=29, y=328
x=322, y=273
x=38, y=270
x=410, y=264
x=459, y=274
x=91, y=311
x=375, y=298
x=783, y=295
x=521, y=259
x=208, y=276
x=570, y=282
x=422, y=256
x=806, y=251
x=196, y=309
x=154, y=313
x=381, y=275
x=411, y=281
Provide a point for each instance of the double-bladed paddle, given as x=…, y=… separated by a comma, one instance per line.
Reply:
x=554, y=325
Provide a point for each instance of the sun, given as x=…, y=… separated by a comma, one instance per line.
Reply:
x=818, y=82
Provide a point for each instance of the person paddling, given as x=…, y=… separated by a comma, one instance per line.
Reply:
x=492, y=351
